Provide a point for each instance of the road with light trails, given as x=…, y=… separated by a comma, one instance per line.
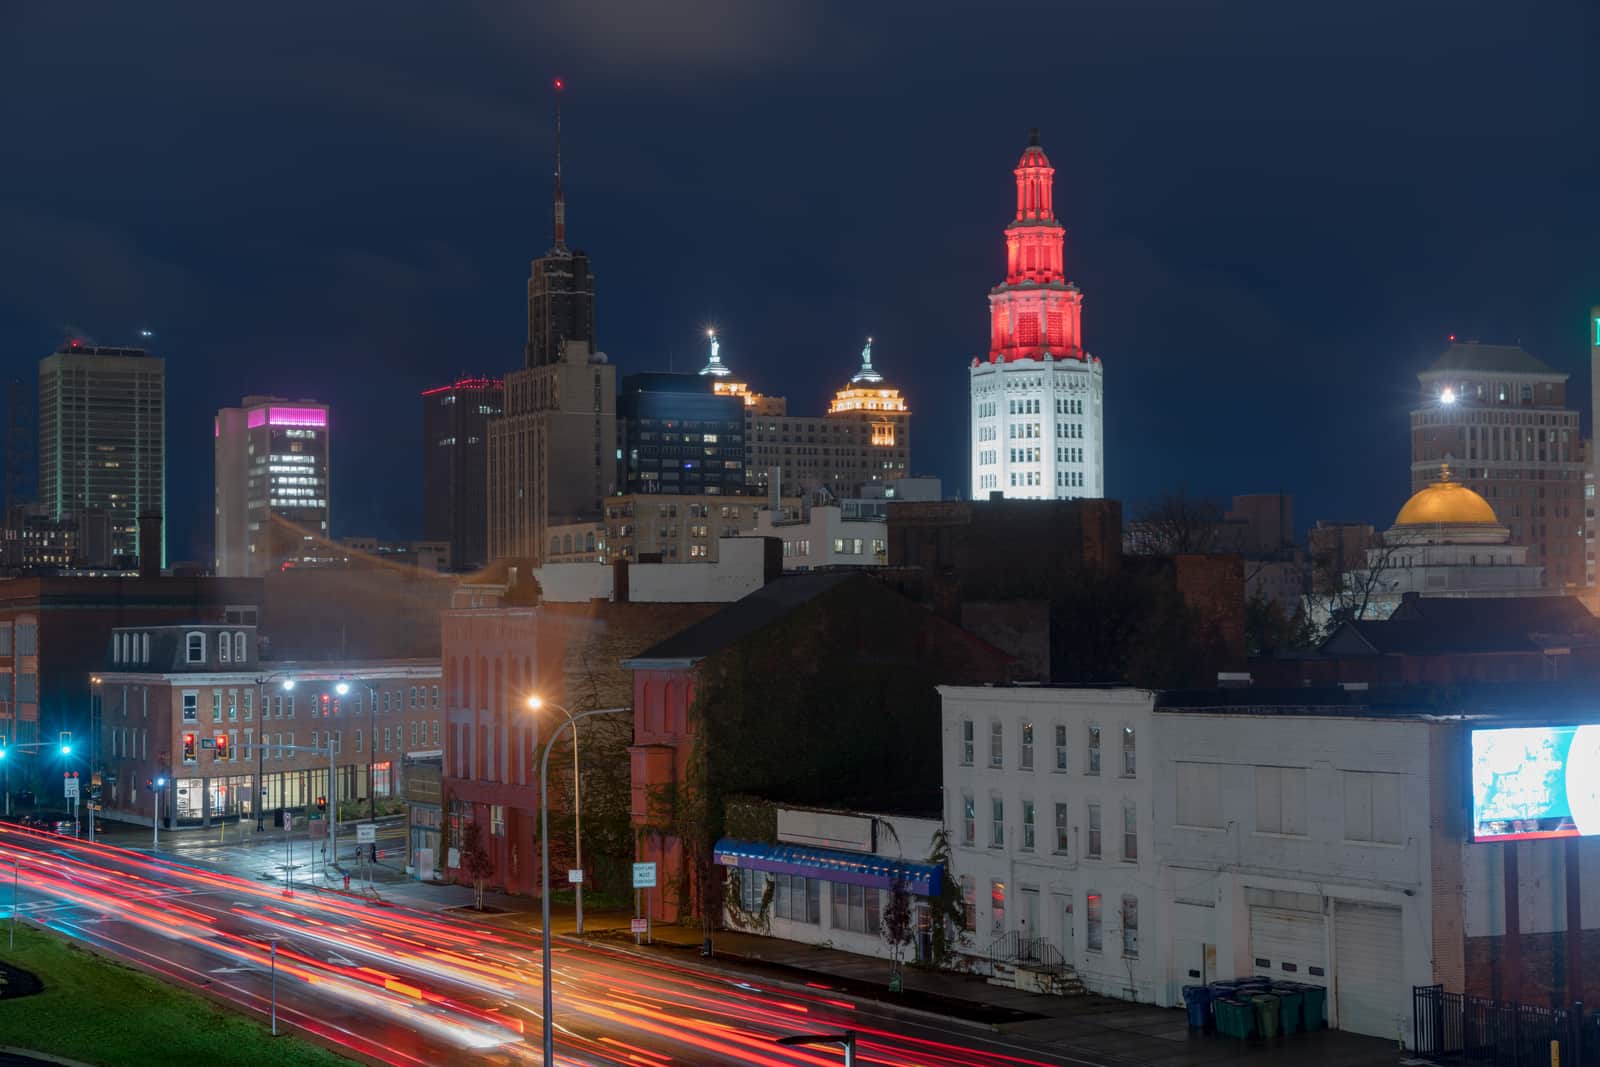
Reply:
x=406, y=987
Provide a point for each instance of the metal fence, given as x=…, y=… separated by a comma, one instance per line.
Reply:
x=1454, y=1028
x=1036, y=953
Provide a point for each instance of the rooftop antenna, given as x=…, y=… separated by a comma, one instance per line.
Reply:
x=559, y=208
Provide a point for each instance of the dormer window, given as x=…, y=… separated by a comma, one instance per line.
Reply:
x=238, y=648
x=144, y=648
x=224, y=648
x=195, y=648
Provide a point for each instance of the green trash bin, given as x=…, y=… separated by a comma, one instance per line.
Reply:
x=1315, y=1009
x=1266, y=1005
x=1290, y=1002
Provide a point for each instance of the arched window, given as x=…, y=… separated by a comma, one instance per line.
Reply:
x=238, y=647
x=555, y=545
x=588, y=542
x=224, y=648
x=144, y=648
x=566, y=544
x=195, y=648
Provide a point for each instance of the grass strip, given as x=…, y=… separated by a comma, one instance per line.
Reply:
x=99, y=1011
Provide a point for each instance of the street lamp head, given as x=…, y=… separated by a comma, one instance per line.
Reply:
x=1447, y=396
x=160, y=783
x=342, y=688
x=534, y=703
x=288, y=683
x=66, y=750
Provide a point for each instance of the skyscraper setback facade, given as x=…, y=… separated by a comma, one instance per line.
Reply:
x=102, y=439
x=553, y=455
x=455, y=466
x=1498, y=418
x=1037, y=416
x=272, y=487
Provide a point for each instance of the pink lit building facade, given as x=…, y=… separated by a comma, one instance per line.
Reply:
x=272, y=486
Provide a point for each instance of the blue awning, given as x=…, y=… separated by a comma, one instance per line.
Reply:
x=833, y=865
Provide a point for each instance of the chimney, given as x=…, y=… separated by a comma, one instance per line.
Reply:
x=619, y=580
x=150, y=546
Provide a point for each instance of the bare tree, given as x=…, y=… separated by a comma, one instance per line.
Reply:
x=1177, y=524
x=1348, y=594
x=475, y=861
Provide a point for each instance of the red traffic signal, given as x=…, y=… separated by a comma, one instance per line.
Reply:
x=188, y=748
x=222, y=746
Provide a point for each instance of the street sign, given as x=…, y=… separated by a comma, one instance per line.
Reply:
x=644, y=876
x=208, y=742
x=72, y=788
x=574, y=877
x=638, y=926
x=366, y=833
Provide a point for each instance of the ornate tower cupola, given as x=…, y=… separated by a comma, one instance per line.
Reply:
x=1036, y=312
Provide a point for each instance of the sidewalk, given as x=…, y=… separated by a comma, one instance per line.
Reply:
x=1101, y=1027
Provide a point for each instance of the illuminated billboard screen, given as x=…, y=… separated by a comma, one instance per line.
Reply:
x=1531, y=782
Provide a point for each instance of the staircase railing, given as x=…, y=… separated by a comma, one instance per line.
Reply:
x=1036, y=953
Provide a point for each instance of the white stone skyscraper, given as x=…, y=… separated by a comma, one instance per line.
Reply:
x=1038, y=429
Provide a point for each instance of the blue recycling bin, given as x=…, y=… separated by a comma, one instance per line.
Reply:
x=1198, y=1000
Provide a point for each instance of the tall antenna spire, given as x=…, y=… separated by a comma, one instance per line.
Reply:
x=559, y=208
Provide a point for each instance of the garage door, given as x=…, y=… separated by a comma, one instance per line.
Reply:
x=1290, y=945
x=1369, y=995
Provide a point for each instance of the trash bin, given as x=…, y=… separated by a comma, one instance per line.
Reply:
x=1235, y=1018
x=1315, y=1009
x=1198, y=1000
x=1290, y=1003
x=1266, y=1006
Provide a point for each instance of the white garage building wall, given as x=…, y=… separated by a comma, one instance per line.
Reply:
x=1297, y=845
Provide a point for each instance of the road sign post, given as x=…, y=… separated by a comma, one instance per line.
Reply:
x=644, y=877
x=288, y=851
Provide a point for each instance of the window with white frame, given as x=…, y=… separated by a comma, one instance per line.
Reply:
x=997, y=822
x=1093, y=923
x=1130, y=832
x=1027, y=825
x=1130, y=764
x=969, y=820
x=1027, y=745
x=224, y=648
x=191, y=705
x=1372, y=808
x=1094, y=831
x=997, y=743
x=1094, y=751
x=195, y=648
x=216, y=705
x=855, y=908
x=969, y=903
x=1130, y=927
x=797, y=899
x=966, y=742
x=358, y=740
x=1061, y=746
x=238, y=648
x=1062, y=831
x=997, y=907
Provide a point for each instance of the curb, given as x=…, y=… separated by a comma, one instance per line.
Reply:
x=42, y=1057
x=782, y=983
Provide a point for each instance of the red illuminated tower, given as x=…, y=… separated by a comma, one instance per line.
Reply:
x=1036, y=310
x=1037, y=418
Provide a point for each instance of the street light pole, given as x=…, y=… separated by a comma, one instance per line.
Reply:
x=536, y=702
x=544, y=859
x=272, y=941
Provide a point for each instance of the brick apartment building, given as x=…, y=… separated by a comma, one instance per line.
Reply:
x=193, y=703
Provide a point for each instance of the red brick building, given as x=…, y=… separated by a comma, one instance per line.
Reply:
x=817, y=688
x=192, y=703
x=501, y=645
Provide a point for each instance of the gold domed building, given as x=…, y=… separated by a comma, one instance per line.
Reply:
x=1445, y=542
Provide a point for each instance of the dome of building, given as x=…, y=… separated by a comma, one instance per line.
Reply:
x=1446, y=503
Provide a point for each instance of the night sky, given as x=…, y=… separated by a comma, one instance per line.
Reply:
x=1277, y=211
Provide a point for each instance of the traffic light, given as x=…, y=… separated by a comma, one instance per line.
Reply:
x=189, y=748
x=325, y=704
x=222, y=747
x=66, y=742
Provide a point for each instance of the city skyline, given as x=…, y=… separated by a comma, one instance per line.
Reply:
x=1312, y=255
